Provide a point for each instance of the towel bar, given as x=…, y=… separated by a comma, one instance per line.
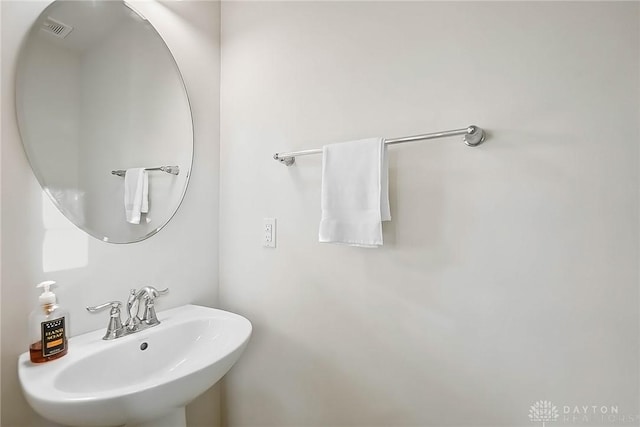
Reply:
x=173, y=170
x=473, y=136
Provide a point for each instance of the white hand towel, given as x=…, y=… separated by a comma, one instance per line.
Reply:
x=136, y=194
x=355, y=193
x=144, y=208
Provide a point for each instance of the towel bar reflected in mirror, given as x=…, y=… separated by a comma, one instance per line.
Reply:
x=173, y=170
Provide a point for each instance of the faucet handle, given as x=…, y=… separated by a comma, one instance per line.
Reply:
x=115, y=307
x=149, y=318
x=153, y=292
x=115, y=329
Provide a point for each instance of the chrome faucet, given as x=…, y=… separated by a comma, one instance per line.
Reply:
x=134, y=322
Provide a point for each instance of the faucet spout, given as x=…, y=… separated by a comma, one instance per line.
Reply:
x=133, y=307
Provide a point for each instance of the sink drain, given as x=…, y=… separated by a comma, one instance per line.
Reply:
x=144, y=346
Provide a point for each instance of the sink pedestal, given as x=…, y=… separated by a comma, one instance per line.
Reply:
x=175, y=418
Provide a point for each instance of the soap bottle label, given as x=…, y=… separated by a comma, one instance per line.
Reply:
x=53, y=341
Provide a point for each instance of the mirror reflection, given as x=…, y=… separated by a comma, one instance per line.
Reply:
x=98, y=92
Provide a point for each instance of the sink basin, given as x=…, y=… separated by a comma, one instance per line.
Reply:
x=142, y=379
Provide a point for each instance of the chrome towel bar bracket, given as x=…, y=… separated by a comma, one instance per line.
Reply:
x=473, y=136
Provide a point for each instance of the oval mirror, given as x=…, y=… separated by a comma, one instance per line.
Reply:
x=99, y=96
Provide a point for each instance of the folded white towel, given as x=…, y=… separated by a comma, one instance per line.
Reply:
x=136, y=194
x=355, y=192
x=144, y=208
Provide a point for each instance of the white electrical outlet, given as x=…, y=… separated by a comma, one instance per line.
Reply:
x=269, y=231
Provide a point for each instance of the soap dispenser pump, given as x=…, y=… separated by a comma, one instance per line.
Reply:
x=48, y=325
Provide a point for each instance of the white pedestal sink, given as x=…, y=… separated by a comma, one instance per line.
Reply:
x=144, y=379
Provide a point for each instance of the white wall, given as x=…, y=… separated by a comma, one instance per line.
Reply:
x=509, y=272
x=183, y=257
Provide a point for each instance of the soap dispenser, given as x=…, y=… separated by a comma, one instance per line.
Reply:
x=48, y=325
